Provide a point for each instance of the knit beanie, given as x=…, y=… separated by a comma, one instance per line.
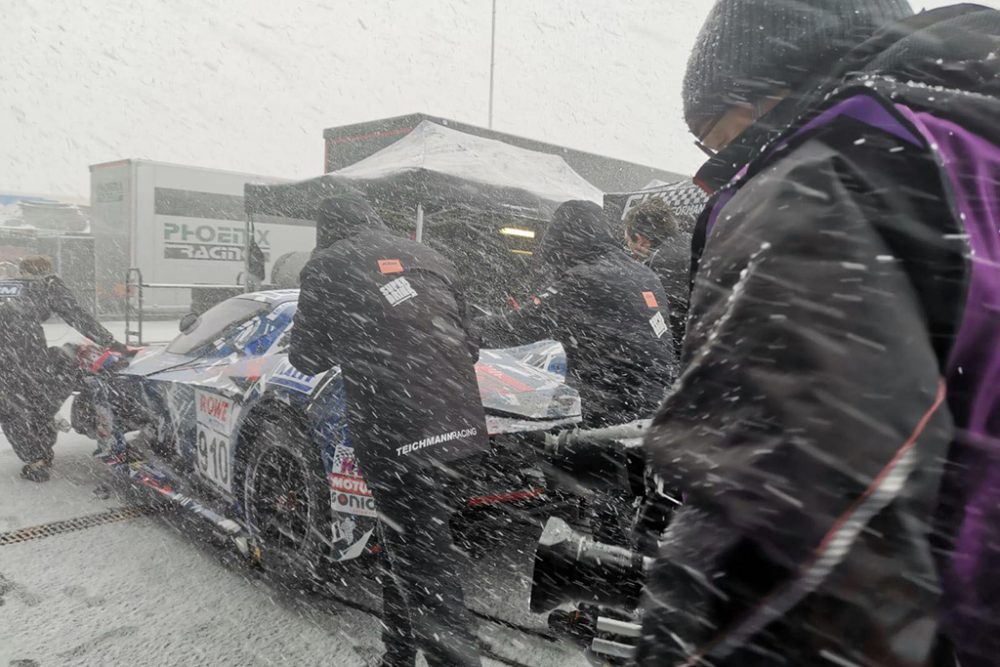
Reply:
x=748, y=49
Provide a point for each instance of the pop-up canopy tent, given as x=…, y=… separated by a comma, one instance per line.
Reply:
x=480, y=202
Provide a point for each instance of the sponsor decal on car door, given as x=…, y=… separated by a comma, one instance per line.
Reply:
x=349, y=493
x=215, y=415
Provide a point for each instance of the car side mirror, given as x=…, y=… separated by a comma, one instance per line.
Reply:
x=187, y=322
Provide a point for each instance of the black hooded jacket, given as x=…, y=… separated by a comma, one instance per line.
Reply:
x=608, y=311
x=25, y=303
x=390, y=313
x=671, y=261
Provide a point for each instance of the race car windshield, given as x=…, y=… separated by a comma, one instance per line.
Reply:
x=216, y=323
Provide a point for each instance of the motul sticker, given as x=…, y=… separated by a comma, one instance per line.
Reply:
x=658, y=324
x=350, y=495
x=349, y=484
x=390, y=266
x=353, y=503
x=650, y=299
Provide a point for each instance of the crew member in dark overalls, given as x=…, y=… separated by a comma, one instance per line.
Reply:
x=390, y=312
x=35, y=380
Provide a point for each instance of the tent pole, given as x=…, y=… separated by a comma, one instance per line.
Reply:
x=248, y=234
x=420, y=224
x=493, y=51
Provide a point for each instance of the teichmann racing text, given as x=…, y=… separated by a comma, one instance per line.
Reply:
x=435, y=440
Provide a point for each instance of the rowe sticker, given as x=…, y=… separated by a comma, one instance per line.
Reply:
x=215, y=415
x=350, y=495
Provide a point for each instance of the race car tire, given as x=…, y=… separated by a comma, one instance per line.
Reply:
x=287, y=501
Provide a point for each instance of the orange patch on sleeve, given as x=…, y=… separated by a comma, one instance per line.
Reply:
x=390, y=266
x=650, y=299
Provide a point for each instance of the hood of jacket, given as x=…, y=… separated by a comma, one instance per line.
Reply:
x=344, y=216
x=579, y=232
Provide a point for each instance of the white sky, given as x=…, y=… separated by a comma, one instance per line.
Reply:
x=249, y=85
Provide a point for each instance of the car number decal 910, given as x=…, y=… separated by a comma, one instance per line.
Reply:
x=215, y=415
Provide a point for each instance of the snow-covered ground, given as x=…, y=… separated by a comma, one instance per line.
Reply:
x=140, y=593
x=145, y=592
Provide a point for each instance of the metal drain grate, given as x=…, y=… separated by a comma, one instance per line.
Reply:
x=72, y=525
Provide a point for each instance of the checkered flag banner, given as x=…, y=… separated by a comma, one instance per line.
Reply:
x=344, y=462
x=684, y=197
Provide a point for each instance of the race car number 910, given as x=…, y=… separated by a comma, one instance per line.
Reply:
x=213, y=458
x=214, y=425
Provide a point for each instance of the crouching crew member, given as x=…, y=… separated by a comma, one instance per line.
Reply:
x=390, y=313
x=36, y=380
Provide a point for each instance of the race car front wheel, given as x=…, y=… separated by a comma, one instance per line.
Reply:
x=287, y=501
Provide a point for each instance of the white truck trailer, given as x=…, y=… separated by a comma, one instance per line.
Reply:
x=176, y=225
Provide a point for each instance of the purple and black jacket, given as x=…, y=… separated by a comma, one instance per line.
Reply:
x=837, y=418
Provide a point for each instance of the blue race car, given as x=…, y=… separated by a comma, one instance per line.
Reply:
x=233, y=434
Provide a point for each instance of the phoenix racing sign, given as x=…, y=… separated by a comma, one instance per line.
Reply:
x=210, y=241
